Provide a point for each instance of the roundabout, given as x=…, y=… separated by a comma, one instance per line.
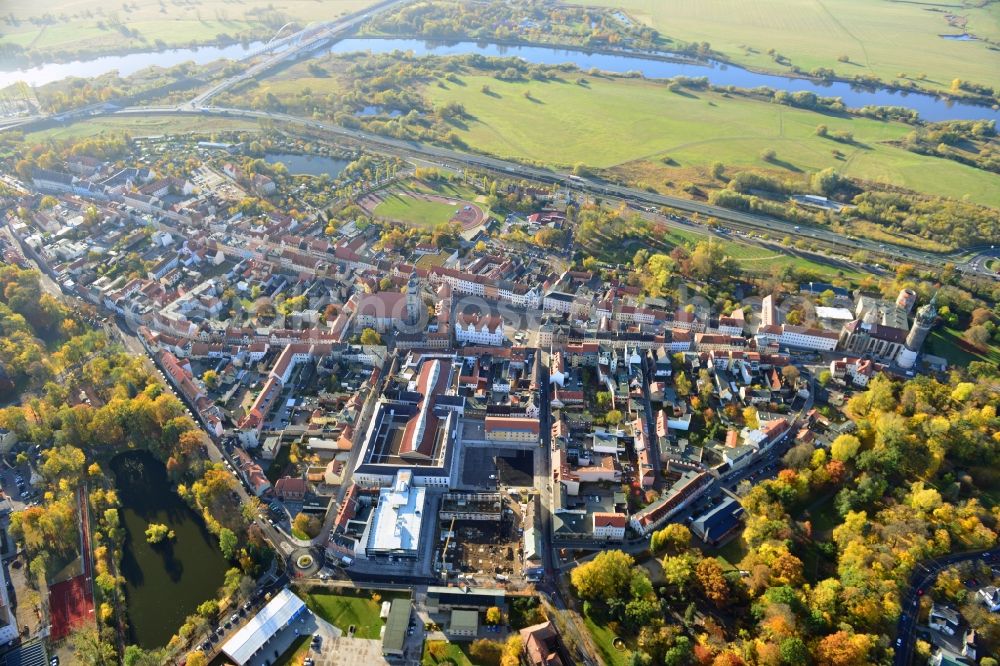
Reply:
x=304, y=563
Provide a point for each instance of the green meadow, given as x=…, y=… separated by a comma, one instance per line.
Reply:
x=607, y=122
x=890, y=40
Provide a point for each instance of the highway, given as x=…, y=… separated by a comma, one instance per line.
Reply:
x=316, y=39
x=970, y=260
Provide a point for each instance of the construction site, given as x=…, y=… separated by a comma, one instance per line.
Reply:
x=480, y=536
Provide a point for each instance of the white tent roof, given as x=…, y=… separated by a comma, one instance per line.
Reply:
x=278, y=612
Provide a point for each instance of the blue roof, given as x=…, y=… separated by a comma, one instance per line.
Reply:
x=719, y=521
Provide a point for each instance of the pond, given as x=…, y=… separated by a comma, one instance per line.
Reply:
x=930, y=107
x=370, y=110
x=125, y=64
x=164, y=583
x=312, y=165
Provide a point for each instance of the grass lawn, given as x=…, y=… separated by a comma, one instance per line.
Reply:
x=452, y=653
x=603, y=638
x=887, y=39
x=751, y=258
x=86, y=26
x=416, y=212
x=444, y=188
x=343, y=610
x=944, y=342
x=731, y=554
x=282, y=86
x=824, y=516
x=279, y=464
x=141, y=126
x=611, y=122
x=432, y=260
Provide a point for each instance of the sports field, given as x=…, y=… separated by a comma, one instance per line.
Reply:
x=609, y=122
x=91, y=26
x=417, y=212
x=880, y=37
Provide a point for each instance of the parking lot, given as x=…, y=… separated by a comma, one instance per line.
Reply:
x=479, y=469
x=16, y=485
x=484, y=467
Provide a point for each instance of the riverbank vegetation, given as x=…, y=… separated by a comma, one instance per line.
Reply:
x=530, y=21
x=906, y=488
x=51, y=31
x=152, y=85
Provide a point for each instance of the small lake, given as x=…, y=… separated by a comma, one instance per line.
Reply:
x=312, y=165
x=164, y=584
x=929, y=107
x=125, y=64
x=370, y=111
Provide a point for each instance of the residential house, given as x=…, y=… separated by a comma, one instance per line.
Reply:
x=543, y=646
x=718, y=524
x=609, y=526
x=290, y=489
x=944, y=619
x=990, y=596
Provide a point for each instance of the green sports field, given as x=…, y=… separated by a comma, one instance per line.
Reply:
x=610, y=122
x=880, y=37
x=416, y=212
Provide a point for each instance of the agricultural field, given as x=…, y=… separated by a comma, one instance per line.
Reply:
x=53, y=29
x=889, y=40
x=611, y=122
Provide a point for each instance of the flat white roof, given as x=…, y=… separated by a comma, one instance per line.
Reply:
x=398, y=516
x=273, y=617
x=824, y=312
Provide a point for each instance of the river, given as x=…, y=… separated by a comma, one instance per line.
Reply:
x=163, y=584
x=125, y=64
x=929, y=107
